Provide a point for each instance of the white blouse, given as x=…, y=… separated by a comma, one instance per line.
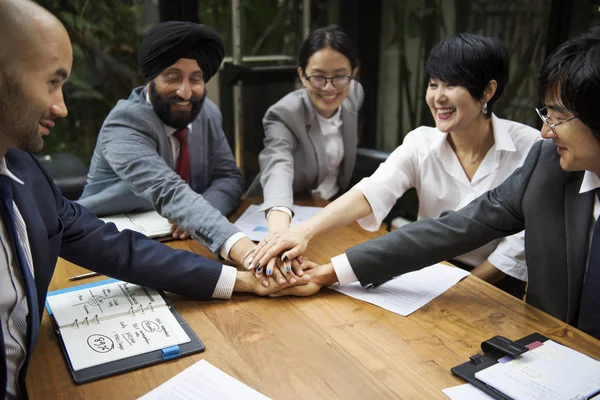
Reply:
x=331, y=129
x=426, y=162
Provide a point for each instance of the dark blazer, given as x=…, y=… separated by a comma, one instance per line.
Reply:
x=58, y=227
x=539, y=197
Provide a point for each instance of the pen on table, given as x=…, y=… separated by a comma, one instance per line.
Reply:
x=83, y=276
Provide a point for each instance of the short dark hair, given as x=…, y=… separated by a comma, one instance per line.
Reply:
x=472, y=61
x=330, y=36
x=572, y=75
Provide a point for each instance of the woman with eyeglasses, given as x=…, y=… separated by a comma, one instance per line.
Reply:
x=468, y=152
x=311, y=134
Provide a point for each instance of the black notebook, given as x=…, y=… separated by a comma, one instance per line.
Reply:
x=531, y=367
x=109, y=327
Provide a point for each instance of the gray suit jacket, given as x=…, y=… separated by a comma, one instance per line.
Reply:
x=539, y=197
x=294, y=158
x=132, y=170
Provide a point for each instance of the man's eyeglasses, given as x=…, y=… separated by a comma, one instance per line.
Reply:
x=543, y=114
x=319, y=81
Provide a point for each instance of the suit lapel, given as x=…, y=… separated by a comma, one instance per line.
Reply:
x=349, y=131
x=316, y=138
x=38, y=244
x=578, y=212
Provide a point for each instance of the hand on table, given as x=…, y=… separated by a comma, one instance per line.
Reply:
x=282, y=273
x=247, y=283
x=177, y=232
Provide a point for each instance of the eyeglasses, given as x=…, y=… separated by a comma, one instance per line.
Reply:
x=319, y=81
x=543, y=114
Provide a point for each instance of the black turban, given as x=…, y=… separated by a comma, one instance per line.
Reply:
x=169, y=41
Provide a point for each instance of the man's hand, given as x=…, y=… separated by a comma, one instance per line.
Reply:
x=320, y=275
x=177, y=232
x=245, y=282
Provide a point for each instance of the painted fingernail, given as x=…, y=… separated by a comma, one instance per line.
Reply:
x=258, y=265
x=259, y=270
x=284, y=258
x=269, y=272
x=287, y=269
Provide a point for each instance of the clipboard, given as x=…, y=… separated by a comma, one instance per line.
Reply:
x=494, y=349
x=111, y=368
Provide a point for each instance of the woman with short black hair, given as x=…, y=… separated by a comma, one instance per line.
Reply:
x=467, y=153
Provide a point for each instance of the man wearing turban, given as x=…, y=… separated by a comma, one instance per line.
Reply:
x=164, y=148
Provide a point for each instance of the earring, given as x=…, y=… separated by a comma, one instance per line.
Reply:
x=484, y=110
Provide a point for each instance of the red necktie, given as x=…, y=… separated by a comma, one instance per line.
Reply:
x=183, y=162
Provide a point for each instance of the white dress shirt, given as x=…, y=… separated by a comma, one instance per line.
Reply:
x=226, y=280
x=427, y=162
x=13, y=301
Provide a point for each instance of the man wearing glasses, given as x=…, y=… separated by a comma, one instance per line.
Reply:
x=554, y=196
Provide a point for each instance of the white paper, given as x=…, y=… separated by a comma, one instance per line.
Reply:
x=466, y=392
x=101, y=302
x=114, y=339
x=149, y=223
x=203, y=381
x=253, y=222
x=409, y=292
x=548, y=372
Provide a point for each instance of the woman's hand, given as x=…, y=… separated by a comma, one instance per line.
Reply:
x=284, y=273
x=287, y=245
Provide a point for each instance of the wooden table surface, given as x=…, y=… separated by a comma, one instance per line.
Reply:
x=328, y=346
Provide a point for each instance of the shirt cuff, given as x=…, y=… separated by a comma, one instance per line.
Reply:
x=277, y=208
x=229, y=243
x=343, y=269
x=225, y=284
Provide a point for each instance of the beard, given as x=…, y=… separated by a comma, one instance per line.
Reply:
x=18, y=116
x=163, y=108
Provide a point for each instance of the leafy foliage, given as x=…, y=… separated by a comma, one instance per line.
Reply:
x=105, y=68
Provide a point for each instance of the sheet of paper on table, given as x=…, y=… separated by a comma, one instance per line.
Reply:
x=203, y=381
x=409, y=292
x=254, y=224
x=466, y=392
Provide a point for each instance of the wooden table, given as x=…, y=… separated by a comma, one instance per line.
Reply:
x=328, y=346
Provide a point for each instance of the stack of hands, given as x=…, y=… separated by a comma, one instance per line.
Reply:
x=278, y=265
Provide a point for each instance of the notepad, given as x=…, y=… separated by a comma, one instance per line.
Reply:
x=549, y=371
x=112, y=321
x=149, y=223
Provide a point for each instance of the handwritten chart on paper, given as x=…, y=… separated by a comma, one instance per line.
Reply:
x=113, y=321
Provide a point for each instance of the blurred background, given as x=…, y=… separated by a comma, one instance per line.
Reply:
x=393, y=38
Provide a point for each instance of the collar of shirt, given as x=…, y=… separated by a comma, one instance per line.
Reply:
x=334, y=121
x=591, y=181
x=169, y=130
x=502, y=140
x=5, y=171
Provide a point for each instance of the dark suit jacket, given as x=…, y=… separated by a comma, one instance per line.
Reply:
x=539, y=197
x=58, y=227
